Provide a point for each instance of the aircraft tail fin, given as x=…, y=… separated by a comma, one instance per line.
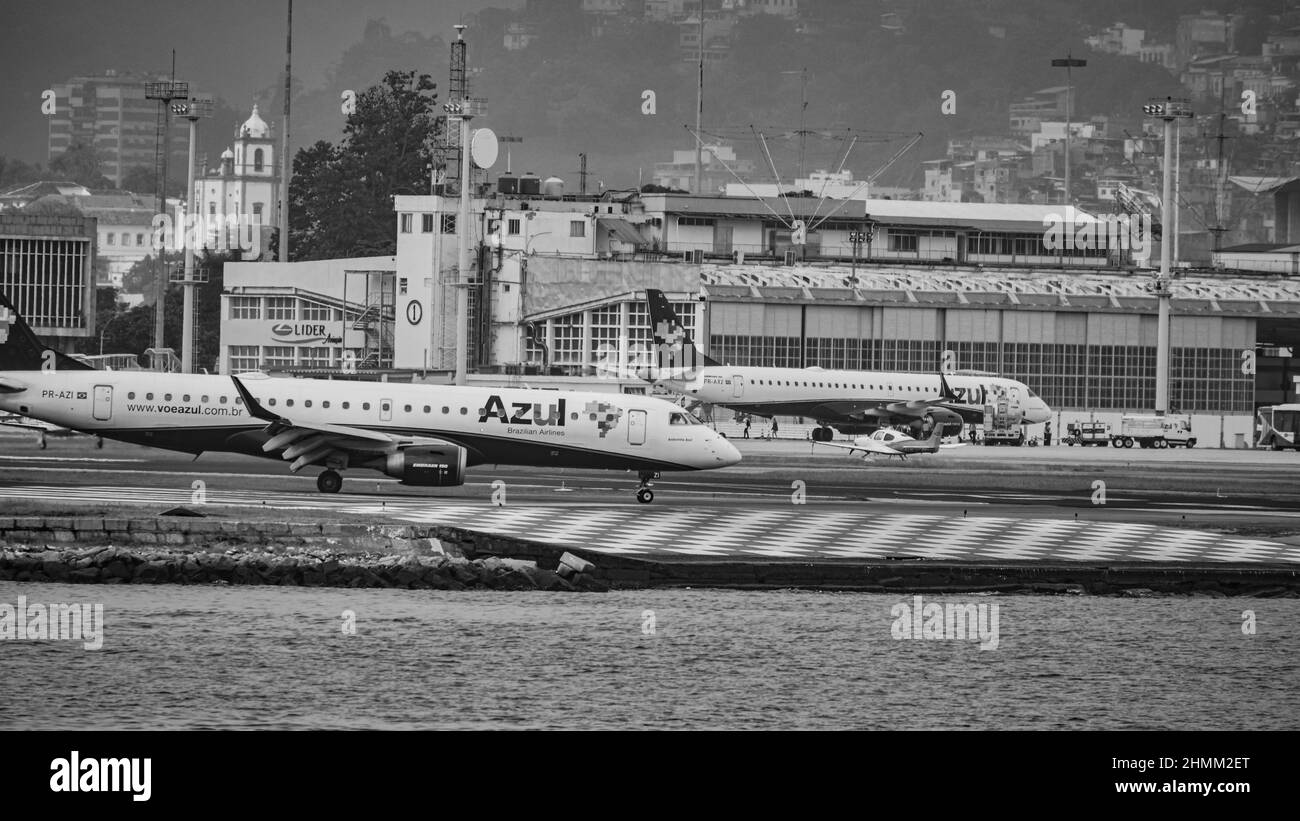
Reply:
x=21, y=350
x=945, y=390
x=936, y=437
x=669, y=334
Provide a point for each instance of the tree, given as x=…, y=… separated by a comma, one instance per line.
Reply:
x=14, y=173
x=81, y=164
x=341, y=200
x=139, y=180
x=142, y=277
x=131, y=331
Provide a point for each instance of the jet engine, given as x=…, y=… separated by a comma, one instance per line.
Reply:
x=427, y=465
x=950, y=420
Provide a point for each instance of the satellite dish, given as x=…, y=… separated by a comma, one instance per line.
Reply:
x=483, y=148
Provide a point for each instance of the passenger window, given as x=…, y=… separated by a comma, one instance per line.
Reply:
x=271, y=402
x=464, y=411
x=131, y=395
x=204, y=398
x=427, y=409
x=185, y=398
x=148, y=396
x=365, y=406
x=167, y=397
x=239, y=400
x=446, y=409
x=223, y=400
x=407, y=408
x=288, y=403
x=325, y=404
x=307, y=404
x=347, y=405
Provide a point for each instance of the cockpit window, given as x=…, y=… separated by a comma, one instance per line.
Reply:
x=677, y=419
x=1031, y=393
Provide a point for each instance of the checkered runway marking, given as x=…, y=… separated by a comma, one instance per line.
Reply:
x=792, y=533
x=807, y=533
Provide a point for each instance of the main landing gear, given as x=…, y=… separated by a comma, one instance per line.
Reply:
x=644, y=494
x=329, y=482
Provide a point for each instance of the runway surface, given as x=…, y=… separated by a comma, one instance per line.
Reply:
x=784, y=503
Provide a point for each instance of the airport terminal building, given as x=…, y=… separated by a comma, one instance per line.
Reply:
x=557, y=289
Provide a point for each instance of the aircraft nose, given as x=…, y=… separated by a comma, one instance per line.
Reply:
x=724, y=452
x=1039, y=412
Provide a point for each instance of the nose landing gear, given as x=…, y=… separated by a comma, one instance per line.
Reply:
x=644, y=494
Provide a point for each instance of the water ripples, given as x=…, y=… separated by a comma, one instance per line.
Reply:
x=276, y=658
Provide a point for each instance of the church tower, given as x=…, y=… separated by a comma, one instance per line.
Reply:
x=244, y=189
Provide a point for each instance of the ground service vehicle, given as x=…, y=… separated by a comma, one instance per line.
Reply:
x=1087, y=433
x=1279, y=427
x=1168, y=431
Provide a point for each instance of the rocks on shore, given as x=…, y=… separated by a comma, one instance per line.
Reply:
x=309, y=568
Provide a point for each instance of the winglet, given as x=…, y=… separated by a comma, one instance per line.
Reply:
x=255, y=408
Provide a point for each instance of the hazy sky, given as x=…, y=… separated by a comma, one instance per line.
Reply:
x=233, y=48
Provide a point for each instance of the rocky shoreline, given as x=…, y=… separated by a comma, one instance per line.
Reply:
x=311, y=568
x=176, y=548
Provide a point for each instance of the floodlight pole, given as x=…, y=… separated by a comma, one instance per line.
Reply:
x=164, y=92
x=1068, y=62
x=464, y=110
x=1168, y=110
x=462, y=259
x=192, y=110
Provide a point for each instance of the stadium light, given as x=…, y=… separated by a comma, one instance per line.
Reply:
x=1168, y=109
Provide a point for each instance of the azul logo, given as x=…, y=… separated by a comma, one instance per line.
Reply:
x=974, y=395
x=522, y=413
x=669, y=332
x=604, y=414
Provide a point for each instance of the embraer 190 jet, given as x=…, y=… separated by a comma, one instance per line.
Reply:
x=418, y=434
x=849, y=401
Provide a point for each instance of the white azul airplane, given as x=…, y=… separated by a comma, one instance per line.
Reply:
x=419, y=434
x=849, y=401
x=893, y=443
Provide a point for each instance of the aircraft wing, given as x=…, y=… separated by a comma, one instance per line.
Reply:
x=848, y=410
x=916, y=409
x=30, y=424
x=866, y=446
x=312, y=443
